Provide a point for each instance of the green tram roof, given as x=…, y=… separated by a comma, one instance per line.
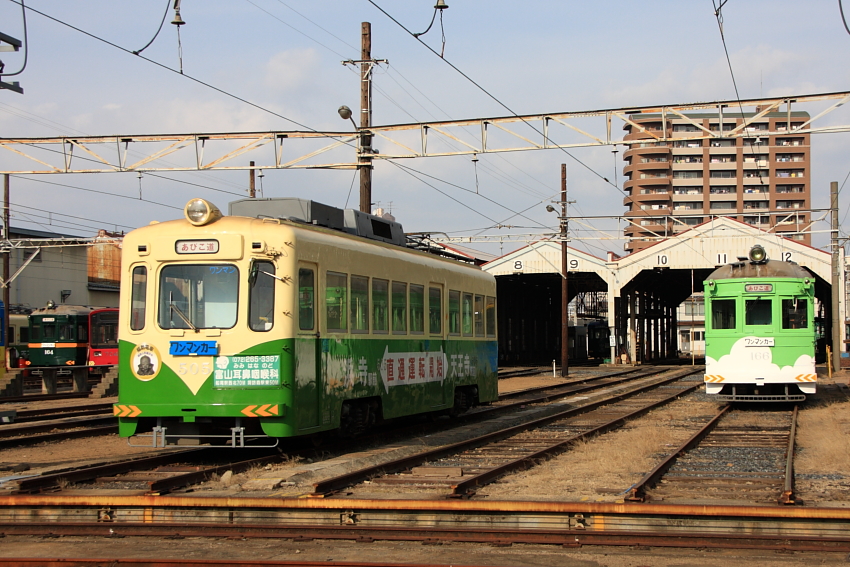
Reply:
x=769, y=269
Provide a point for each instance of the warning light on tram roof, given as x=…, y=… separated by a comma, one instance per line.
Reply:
x=200, y=212
x=758, y=254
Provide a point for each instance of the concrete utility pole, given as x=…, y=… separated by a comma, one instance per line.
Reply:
x=6, y=236
x=365, y=157
x=252, y=189
x=565, y=298
x=836, y=279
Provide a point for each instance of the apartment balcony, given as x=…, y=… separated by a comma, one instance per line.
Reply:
x=688, y=166
x=689, y=197
x=717, y=197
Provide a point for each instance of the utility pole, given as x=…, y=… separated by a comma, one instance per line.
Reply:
x=565, y=298
x=836, y=279
x=364, y=152
x=365, y=157
x=252, y=189
x=6, y=237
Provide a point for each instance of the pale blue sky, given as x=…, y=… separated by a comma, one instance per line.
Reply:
x=535, y=57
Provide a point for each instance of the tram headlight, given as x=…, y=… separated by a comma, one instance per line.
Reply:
x=200, y=212
x=758, y=254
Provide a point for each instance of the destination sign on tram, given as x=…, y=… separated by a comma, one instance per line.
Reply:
x=196, y=246
x=756, y=288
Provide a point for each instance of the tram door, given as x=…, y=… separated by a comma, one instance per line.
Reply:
x=308, y=349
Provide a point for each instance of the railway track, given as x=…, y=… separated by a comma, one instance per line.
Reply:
x=462, y=467
x=13, y=435
x=739, y=455
x=180, y=468
x=565, y=524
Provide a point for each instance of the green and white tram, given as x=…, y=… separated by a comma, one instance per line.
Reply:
x=282, y=319
x=759, y=331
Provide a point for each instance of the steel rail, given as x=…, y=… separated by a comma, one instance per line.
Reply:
x=787, y=496
x=517, y=393
x=567, y=537
x=28, y=416
x=465, y=487
x=13, y=431
x=59, y=436
x=116, y=562
x=50, y=481
x=558, y=523
x=323, y=488
x=637, y=493
x=42, y=397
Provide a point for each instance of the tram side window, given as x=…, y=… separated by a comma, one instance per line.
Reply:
x=795, y=313
x=380, y=305
x=758, y=312
x=261, y=298
x=479, y=315
x=335, y=301
x=138, y=299
x=490, y=315
x=435, y=310
x=359, y=304
x=417, y=308
x=723, y=314
x=454, y=312
x=66, y=331
x=466, y=314
x=306, y=300
x=399, y=307
x=25, y=335
x=36, y=331
x=82, y=332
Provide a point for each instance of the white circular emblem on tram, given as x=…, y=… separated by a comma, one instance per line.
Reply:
x=146, y=362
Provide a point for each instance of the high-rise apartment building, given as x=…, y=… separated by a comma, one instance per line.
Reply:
x=762, y=178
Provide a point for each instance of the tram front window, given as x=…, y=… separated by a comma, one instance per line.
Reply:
x=759, y=312
x=201, y=296
x=795, y=313
x=723, y=314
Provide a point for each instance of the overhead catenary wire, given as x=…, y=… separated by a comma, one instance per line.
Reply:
x=26, y=45
x=159, y=29
x=171, y=69
x=489, y=94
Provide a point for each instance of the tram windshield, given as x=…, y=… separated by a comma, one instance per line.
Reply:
x=104, y=329
x=200, y=296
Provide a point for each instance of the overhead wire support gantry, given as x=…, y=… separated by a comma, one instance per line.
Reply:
x=109, y=154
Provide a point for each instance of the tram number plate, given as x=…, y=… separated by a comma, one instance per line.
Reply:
x=756, y=341
x=193, y=348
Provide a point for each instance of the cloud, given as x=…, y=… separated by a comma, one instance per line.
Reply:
x=747, y=363
x=291, y=70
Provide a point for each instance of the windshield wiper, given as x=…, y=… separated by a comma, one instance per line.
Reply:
x=181, y=314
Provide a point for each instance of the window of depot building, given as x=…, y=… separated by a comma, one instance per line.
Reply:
x=380, y=305
x=723, y=314
x=359, y=304
x=138, y=298
x=336, y=296
x=417, y=308
x=261, y=297
x=198, y=296
x=758, y=312
x=795, y=313
x=306, y=300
